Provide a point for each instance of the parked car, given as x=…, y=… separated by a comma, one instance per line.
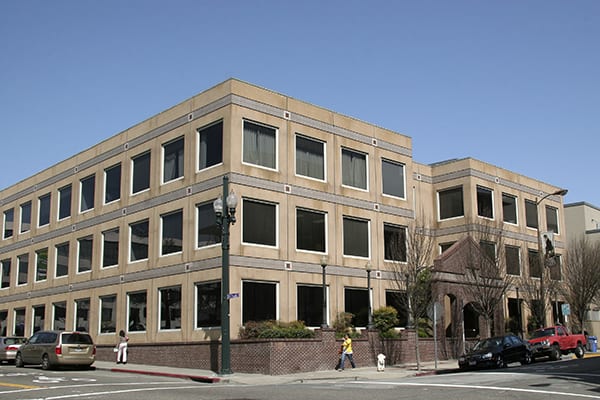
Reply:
x=9, y=346
x=554, y=341
x=496, y=352
x=57, y=348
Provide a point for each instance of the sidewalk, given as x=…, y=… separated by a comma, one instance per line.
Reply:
x=205, y=376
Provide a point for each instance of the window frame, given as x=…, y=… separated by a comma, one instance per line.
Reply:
x=314, y=212
x=56, y=259
x=111, y=330
x=217, y=308
x=347, y=168
x=87, y=238
x=317, y=308
x=217, y=230
x=383, y=180
x=62, y=202
x=448, y=191
x=160, y=311
x=391, y=251
x=275, y=144
x=109, y=177
x=22, y=260
x=39, y=259
x=531, y=206
x=83, y=182
x=513, y=205
x=44, y=207
x=5, y=265
x=323, y=157
x=130, y=241
x=55, y=306
x=244, y=302
x=549, y=209
x=78, y=310
x=162, y=252
x=5, y=214
x=245, y=224
x=207, y=129
x=345, y=235
x=25, y=210
x=103, y=264
x=519, y=261
x=132, y=328
x=487, y=192
x=179, y=157
x=134, y=171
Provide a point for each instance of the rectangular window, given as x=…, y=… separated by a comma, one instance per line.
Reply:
x=59, y=311
x=64, y=202
x=22, y=269
x=170, y=308
x=110, y=248
x=39, y=318
x=3, y=322
x=172, y=233
x=310, y=304
x=88, y=192
x=41, y=265
x=356, y=237
x=392, y=174
x=488, y=250
x=485, y=202
x=210, y=144
x=513, y=260
x=354, y=169
x=209, y=232
x=19, y=326
x=399, y=301
x=450, y=203
x=310, y=157
x=310, y=230
x=9, y=220
x=552, y=219
x=445, y=246
x=138, y=241
x=394, y=237
x=208, y=304
x=25, y=217
x=531, y=214
x=356, y=302
x=82, y=310
x=555, y=268
x=260, y=223
x=62, y=259
x=112, y=184
x=509, y=208
x=108, y=314
x=260, y=143
x=84, y=258
x=44, y=210
x=259, y=301
x=5, y=273
x=535, y=267
x=137, y=311
x=173, y=164
x=140, y=173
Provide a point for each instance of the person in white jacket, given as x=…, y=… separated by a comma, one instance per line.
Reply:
x=122, y=348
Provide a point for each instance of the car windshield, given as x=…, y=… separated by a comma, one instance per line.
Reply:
x=76, y=338
x=542, y=333
x=487, y=343
x=14, y=340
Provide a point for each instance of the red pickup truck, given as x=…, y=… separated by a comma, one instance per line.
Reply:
x=555, y=341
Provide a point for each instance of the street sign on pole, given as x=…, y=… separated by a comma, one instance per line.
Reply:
x=232, y=296
x=566, y=309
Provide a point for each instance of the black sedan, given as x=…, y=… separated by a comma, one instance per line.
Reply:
x=496, y=352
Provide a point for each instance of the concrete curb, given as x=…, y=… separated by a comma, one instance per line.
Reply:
x=195, y=378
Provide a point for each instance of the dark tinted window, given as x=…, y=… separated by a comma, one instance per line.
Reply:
x=76, y=338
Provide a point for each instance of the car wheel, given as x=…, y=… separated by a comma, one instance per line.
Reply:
x=46, y=362
x=500, y=362
x=579, y=352
x=19, y=361
x=527, y=359
x=555, y=353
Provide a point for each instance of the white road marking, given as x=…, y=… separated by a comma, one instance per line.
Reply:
x=479, y=387
x=113, y=392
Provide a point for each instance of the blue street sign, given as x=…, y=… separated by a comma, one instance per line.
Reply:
x=233, y=296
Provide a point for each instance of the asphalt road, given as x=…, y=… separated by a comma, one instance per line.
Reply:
x=572, y=379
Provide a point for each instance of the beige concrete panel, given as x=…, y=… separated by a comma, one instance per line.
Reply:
x=257, y=93
x=299, y=107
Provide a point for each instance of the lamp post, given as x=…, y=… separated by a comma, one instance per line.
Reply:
x=519, y=314
x=224, y=218
x=541, y=257
x=368, y=268
x=324, y=265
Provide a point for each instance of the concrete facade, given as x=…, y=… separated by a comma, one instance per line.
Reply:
x=280, y=266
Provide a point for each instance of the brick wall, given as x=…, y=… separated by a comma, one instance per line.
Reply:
x=278, y=356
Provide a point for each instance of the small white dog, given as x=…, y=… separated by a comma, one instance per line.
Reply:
x=380, y=362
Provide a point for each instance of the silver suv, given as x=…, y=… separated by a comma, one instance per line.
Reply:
x=57, y=348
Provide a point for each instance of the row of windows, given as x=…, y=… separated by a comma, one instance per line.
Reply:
x=259, y=149
x=259, y=227
x=451, y=206
x=259, y=303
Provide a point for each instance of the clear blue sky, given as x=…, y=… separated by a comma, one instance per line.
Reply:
x=515, y=83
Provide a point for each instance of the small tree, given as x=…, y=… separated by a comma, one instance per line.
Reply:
x=384, y=320
x=581, y=280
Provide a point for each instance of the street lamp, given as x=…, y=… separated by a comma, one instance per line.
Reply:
x=519, y=322
x=541, y=257
x=324, y=265
x=368, y=268
x=224, y=218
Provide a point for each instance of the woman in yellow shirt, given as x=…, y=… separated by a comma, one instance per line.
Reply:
x=346, y=352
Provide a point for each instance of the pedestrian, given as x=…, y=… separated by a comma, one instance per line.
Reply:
x=346, y=352
x=122, y=348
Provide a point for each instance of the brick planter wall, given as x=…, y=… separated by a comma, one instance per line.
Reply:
x=278, y=356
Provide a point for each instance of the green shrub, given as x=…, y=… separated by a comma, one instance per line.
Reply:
x=343, y=325
x=275, y=330
x=384, y=320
